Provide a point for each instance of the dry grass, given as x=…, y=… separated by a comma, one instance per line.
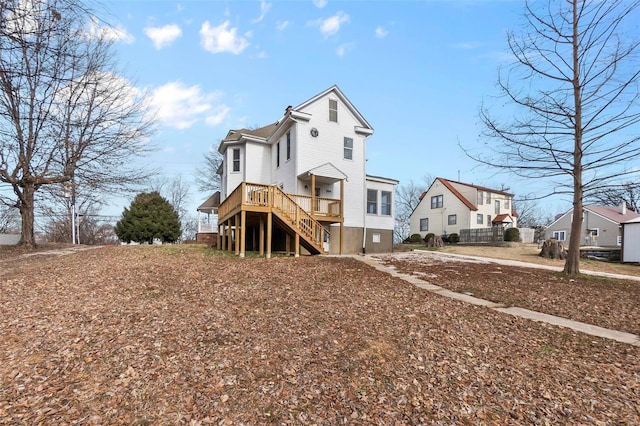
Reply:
x=181, y=335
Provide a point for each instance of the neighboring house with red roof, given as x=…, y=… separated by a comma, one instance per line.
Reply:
x=449, y=206
x=601, y=225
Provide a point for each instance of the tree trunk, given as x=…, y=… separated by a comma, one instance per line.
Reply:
x=26, y=211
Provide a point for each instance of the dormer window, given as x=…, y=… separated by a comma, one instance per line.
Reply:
x=333, y=110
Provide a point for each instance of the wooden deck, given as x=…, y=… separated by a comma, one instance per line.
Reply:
x=261, y=204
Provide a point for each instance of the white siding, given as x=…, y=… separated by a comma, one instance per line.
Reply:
x=329, y=147
x=631, y=242
x=378, y=220
x=258, y=164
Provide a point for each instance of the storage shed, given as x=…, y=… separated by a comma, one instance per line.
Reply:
x=631, y=241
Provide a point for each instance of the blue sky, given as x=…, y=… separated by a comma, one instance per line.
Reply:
x=417, y=70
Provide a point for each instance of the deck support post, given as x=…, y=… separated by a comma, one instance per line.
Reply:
x=297, y=245
x=220, y=236
x=287, y=243
x=341, y=249
x=269, y=229
x=313, y=196
x=243, y=222
x=261, y=243
x=235, y=227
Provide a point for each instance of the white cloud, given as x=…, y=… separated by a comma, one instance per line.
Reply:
x=381, y=32
x=344, y=48
x=218, y=115
x=109, y=33
x=320, y=3
x=222, y=39
x=282, y=25
x=163, y=36
x=331, y=25
x=180, y=106
x=264, y=8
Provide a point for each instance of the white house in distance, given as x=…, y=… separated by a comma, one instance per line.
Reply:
x=449, y=206
x=601, y=225
x=301, y=183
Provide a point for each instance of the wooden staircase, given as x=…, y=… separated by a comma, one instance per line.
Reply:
x=286, y=211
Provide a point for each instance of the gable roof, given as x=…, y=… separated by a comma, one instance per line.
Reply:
x=612, y=214
x=211, y=204
x=336, y=90
x=449, y=184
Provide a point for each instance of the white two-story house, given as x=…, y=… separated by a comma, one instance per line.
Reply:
x=300, y=184
x=449, y=206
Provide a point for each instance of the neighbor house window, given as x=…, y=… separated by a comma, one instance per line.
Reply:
x=480, y=219
x=424, y=224
x=333, y=110
x=595, y=232
x=488, y=197
x=559, y=235
x=436, y=202
x=506, y=204
x=372, y=201
x=288, y=145
x=278, y=154
x=375, y=237
x=488, y=220
x=497, y=207
x=385, y=203
x=480, y=197
x=452, y=219
x=236, y=160
x=348, y=149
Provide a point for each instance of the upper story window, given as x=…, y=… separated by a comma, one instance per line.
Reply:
x=236, y=159
x=385, y=203
x=436, y=202
x=488, y=197
x=480, y=219
x=288, y=146
x=372, y=201
x=348, y=148
x=506, y=204
x=480, y=197
x=497, y=207
x=424, y=224
x=278, y=154
x=452, y=219
x=333, y=110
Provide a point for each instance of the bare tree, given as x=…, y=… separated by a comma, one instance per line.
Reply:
x=574, y=91
x=614, y=195
x=406, y=199
x=66, y=114
x=206, y=176
x=9, y=219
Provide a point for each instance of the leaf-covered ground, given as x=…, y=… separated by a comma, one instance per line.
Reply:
x=174, y=335
x=605, y=302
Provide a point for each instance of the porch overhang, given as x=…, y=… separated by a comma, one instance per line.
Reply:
x=325, y=174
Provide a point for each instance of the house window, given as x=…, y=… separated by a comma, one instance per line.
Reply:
x=424, y=224
x=506, y=204
x=376, y=237
x=480, y=219
x=278, y=154
x=452, y=219
x=488, y=197
x=236, y=160
x=595, y=232
x=385, y=203
x=497, y=207
x=348, y=149
x=288, y=146
x=488, y=220
x=372, y=201
x=559, y=235
x=436, y=202
x=333, y=110
x=480, y=197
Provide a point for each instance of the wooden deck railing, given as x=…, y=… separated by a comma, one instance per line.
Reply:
x=292, y=208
